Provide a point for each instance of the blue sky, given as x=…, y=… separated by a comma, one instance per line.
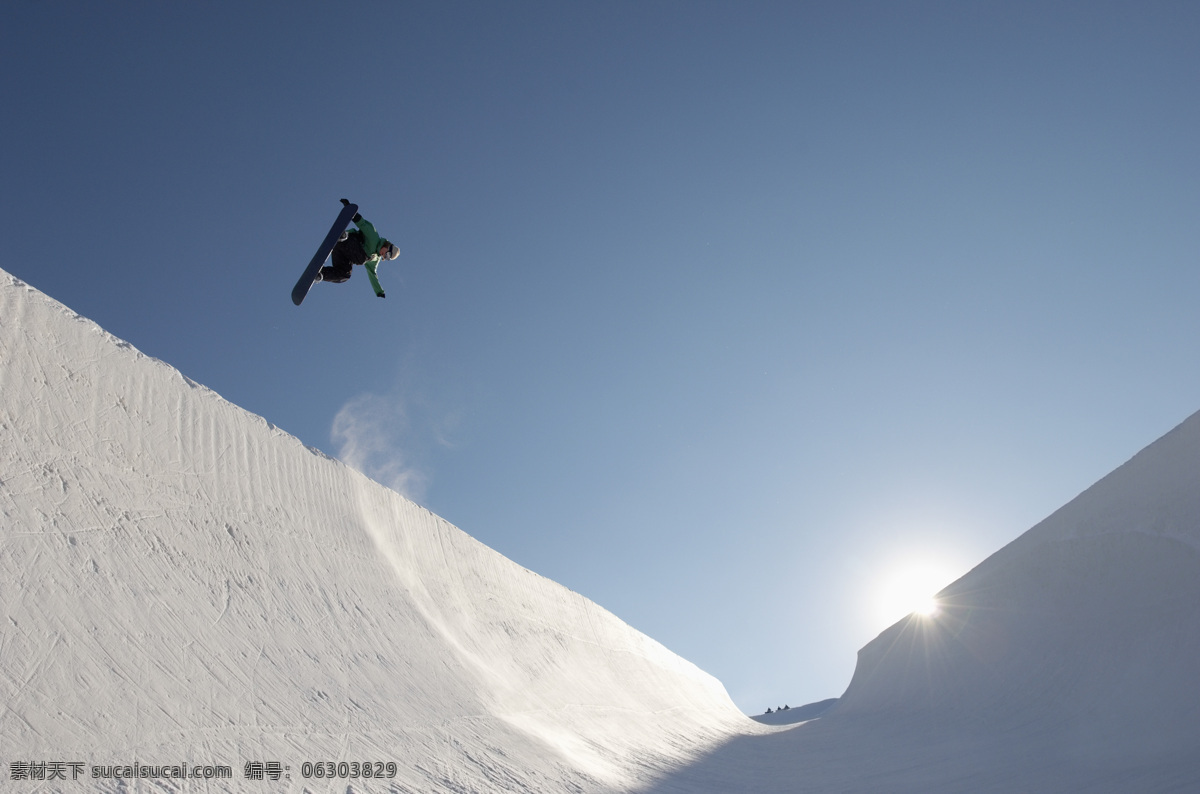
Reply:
x=725, y=315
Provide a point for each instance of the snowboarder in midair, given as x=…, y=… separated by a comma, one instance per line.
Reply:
x=361, y=247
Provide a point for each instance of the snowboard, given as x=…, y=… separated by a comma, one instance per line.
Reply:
x=310, y=273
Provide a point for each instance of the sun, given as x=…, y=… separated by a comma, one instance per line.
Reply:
x=911, y=588
x=926, y=607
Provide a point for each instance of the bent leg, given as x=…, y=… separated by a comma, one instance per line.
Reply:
x=342, y=264
x=334, y=275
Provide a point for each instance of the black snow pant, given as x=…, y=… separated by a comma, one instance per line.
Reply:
x=345, y=255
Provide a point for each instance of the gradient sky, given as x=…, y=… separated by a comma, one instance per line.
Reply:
x=725, y=315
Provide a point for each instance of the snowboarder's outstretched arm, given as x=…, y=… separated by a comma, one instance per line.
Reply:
x=371, y=265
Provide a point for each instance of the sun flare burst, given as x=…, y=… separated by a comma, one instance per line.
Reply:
x=911, y=588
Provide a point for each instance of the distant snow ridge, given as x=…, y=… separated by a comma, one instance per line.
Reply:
x=1071, y=657
x=1067, y=661
x=181, y=582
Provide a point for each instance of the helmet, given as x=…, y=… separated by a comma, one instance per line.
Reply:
x=390, y=251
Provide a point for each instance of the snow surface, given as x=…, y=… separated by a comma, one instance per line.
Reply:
x=180, y=581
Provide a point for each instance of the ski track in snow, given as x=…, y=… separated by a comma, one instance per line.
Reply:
x=182, y=581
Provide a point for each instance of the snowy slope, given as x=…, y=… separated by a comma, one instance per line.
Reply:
x=182, y=582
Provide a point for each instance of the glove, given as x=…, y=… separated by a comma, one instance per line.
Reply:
x=356, y=217
x=345, y=203
x=382, y=295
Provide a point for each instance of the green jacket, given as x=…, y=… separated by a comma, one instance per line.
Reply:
x=371, y=243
